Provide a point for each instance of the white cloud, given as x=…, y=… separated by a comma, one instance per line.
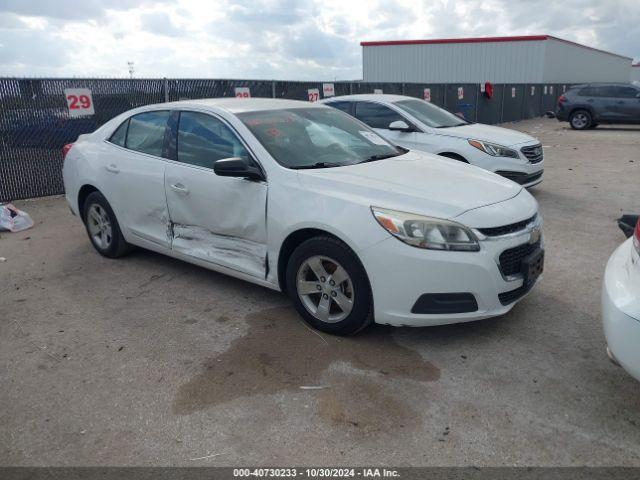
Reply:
x=283, y=39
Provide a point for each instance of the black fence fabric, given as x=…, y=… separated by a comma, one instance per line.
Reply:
x=39, y=116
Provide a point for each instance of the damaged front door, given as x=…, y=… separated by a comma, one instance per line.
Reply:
x=217, y=219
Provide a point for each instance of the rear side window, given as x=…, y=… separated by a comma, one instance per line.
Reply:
x=120, y=135
x=376, y=115
x=203, y=139
x=146, y=132
x=625, y=92
x=344, y=106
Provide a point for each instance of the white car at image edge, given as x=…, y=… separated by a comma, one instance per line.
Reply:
x=419, y=125
x=305, y=199
x=621, y=304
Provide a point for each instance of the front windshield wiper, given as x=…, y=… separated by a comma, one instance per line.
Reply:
x=456, y=125
x=374, y=158
x=317, y=165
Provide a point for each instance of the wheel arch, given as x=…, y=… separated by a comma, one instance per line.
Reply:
x=453, y=156
x=295, y=238
x=587, y=108
x=83, y=193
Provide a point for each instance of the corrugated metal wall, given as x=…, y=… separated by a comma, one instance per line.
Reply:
x=501, y=62
x=538, y=61
x=565, y=62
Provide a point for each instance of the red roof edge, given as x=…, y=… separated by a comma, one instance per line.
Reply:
x=520, y=38
x=523, y=38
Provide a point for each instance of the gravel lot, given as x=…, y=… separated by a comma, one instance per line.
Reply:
x=150, y=361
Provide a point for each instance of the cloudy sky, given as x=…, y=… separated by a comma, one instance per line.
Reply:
x=283, y=39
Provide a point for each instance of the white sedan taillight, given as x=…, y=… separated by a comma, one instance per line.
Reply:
x=636, y=237
x=66, y=149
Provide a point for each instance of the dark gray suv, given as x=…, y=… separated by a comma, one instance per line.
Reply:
x=585, y=106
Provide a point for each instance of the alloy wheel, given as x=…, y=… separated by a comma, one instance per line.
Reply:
x=325, y=289
x=99, y=225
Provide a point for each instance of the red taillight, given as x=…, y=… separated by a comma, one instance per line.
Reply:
x=561, y=99
x=636, y=237
x=66, y=149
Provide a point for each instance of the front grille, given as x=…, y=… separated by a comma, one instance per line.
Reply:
x=519, y=177
x=511, y=296
x=506, y=229
x=511, y=259
x=533, y=153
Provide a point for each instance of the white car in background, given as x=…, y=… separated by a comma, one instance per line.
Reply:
x=419, y=125
x=305, y=199
x=621, y=304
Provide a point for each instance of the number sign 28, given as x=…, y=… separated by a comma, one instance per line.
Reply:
x=79, y=101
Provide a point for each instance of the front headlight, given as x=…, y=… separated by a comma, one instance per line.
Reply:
x=426, y=232
x=493, y=149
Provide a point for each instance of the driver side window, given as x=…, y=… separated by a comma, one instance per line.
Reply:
x=203, y=139
x=376, y=115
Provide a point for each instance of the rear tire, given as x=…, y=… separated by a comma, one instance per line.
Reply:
x=103, y=228
x=329, y=286
x=580, y=120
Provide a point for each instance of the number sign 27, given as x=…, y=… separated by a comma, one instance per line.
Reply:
x=79, y=101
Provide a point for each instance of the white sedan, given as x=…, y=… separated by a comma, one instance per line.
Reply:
x=416, y=124
x=305, y=199
x=621, y=304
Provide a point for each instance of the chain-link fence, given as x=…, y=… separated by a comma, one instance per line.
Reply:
x=39, y=116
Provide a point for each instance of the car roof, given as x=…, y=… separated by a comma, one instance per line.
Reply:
x=239, y=105
x=380, y=97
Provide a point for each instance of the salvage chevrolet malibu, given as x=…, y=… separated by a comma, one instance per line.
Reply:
x=306, y=199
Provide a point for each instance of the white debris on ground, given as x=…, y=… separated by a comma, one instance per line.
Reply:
x=12, y=219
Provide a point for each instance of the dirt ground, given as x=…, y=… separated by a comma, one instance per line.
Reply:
x=150, y=361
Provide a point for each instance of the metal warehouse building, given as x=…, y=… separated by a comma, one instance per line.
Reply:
x=524, y=59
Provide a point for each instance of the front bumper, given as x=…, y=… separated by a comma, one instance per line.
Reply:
x=525, y=179
x=400, y=274
x=520, y=170
x=621, y=298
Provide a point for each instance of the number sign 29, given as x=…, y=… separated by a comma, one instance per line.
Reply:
x=79, y=101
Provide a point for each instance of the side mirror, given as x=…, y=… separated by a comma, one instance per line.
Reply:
x=401, y=126
x=237, y=167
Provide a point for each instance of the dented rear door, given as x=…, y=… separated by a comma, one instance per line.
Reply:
x=221, y=220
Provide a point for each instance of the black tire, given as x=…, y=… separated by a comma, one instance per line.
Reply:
x=580, y=119
x=117, y=245
x=333, y=250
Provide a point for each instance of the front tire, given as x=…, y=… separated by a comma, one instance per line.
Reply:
x=580, y=120
x=103, y=228
x=329, y=286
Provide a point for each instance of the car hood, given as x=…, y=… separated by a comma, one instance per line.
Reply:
x=489, y=133
x=415, y=182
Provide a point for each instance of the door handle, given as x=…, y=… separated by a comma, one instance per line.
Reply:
x=180, y=188
x=112, y=168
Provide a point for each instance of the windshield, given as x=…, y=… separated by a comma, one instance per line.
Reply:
x=316, y=137
x=429, y=114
